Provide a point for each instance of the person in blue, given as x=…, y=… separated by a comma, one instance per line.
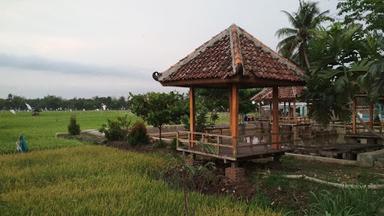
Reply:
x=22, y=144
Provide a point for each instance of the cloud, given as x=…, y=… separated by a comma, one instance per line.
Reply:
x=66, y=67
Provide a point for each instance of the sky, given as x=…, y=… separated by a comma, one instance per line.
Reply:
x=84, y=48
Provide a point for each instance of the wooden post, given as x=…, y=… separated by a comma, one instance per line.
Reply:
x=371, y=115
x=275, y=118
x=192, y=116
x=354, y=104
x=294, y=109
x=234, y=117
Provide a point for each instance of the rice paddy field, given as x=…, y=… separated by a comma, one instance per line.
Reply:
x=68, y=177
x=40, y=130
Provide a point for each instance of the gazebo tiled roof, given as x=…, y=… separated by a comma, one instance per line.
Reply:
x=285, y=94
x=232, y=56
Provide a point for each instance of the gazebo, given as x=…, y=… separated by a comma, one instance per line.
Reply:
x=233, y=59
x=288, y=96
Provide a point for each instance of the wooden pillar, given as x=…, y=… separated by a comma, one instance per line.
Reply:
x=234, y=116
x=275, y=118
x=371, y=115
x=289, y=110
x=192, y=115
x=354, y=104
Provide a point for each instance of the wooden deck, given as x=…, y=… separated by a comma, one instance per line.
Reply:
x=220, y=146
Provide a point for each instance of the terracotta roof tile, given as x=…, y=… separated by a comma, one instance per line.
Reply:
x=285, y=94
x=221, y=57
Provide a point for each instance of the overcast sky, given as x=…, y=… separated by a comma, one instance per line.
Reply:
x=84, y=48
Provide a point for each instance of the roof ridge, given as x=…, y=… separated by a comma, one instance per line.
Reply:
x=190, y=56
x=237, y=59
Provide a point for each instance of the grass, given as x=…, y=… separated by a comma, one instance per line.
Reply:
x=40, y=130
x=69, y=177
x=97, y=180
x=300, y=197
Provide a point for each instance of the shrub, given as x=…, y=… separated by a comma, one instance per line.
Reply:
x=73, y=127
x=138, y=134
x=116, y=130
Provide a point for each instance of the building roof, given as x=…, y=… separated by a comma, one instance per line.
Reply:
x=285, y=94
x=232, y=56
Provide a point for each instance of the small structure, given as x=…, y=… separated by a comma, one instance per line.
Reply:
x=287, y=96
x=233, y=59
x=370, y=130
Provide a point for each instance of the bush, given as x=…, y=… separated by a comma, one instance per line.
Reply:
x=138, y=134
x=73, y=127
x=116, y=130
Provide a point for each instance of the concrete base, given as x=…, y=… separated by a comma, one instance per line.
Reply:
x=235, y=174
x=322, y=159
x=379, y=163
x=369, y=159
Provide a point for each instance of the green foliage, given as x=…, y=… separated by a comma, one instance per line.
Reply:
x=159, y=144
x=116, y=130
x=347, y=202
x=97, y=180
x=138, y=134
x=304, y=21
x=201, y=119
x=158, y=109
x=368, y=12
x=52, y=102
x=174, y=144
x=73, y=127
x=41, y=131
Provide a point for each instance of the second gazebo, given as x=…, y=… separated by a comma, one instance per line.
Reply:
x=233, y=59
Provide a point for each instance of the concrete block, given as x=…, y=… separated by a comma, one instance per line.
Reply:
x=379, y=162
x=235, y=174
x=367, y=159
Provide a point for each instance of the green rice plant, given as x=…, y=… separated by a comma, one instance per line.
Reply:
x=41, y=130
x=347, y=202
x=98, y=180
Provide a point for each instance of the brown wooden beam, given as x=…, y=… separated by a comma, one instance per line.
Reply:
x=354, y=104
x=275, y=118
x=234, y=117
x=192, y=115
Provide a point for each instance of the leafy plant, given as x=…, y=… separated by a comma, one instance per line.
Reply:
x=304, y=21
x=73, y=127
x=347, y=202
x=116, y=130
x=138, y=134
x=158, y=109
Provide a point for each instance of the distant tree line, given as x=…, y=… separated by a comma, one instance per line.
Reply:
x=212, y=100
x=51, y=102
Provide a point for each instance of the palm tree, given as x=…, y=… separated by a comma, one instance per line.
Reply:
x=294, y=44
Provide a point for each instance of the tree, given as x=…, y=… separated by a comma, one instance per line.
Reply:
x=369, y=12
x=158, y=109
x=294, y=44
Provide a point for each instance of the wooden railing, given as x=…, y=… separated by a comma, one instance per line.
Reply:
x=215, y=145
x=295, y=120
